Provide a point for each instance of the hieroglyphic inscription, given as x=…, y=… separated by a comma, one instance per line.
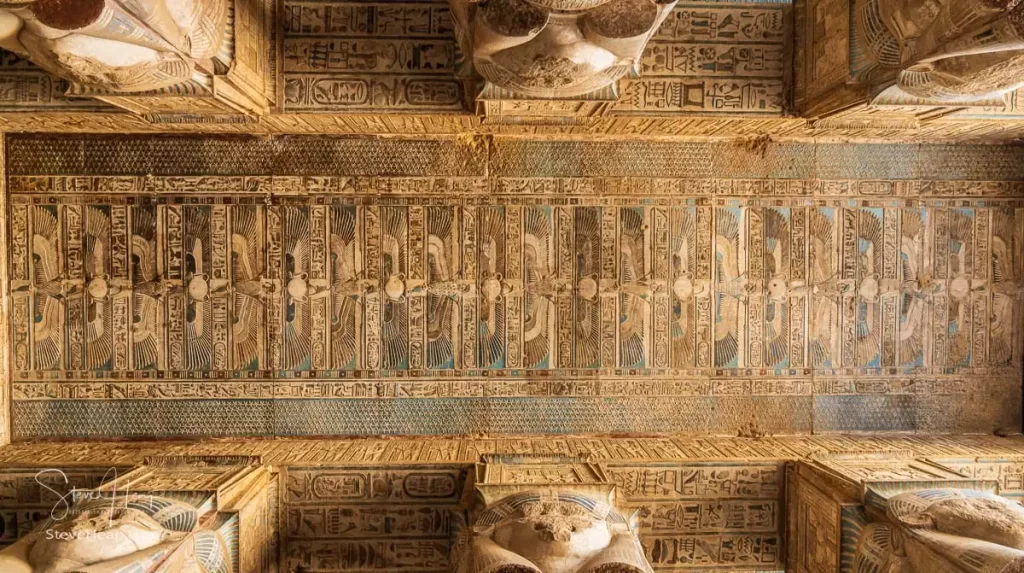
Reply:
x=739, y=299
x=705, y=515
x=402, y=56
x=393, y=518
x=31, y=495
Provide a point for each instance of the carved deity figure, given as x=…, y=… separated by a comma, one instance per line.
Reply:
x=556, y=48
x=946, y=530
x=124, y=46
x=943, y=50
x=549, y=533
x=133, y=533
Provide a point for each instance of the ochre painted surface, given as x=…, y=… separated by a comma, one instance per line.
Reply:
x=329, y=286
x=713, y=69
x=382, y=504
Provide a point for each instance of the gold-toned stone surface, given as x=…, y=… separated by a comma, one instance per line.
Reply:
x=704, y=503
x=171, y=513
x=175, y=287
x=712, y=70
x=165, y=61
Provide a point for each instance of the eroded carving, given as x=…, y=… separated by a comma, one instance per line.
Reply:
x=944, y=51
x=549, y=532
x=122, y=47
x=548, y=49
x=944, y=530
x=106, y=534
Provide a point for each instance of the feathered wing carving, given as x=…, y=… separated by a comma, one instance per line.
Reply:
x=913, y=305
x=198, y=313
x=961, y=234
x=295, y=352
x=729, y=292
x=99, y=319
x=824, y=342
x=247, y=269
x=538, y=273
x=869, y=341
x=345, y=298
x=147, y=299
x=441, y=269
x=776, y=263
x=588, y=268
x=1004, y=287
x=684, y=258
x=634, y=311
x=491, y=266
x=395, y=260
x=48, y=299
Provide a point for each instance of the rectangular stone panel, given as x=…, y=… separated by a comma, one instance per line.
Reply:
x=337, y=286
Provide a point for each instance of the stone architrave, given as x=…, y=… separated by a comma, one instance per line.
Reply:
x=173, y=515
x=556, y=49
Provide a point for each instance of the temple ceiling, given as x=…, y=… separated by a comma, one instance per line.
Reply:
x=721, y=69
x=166, y=287
x=361, y=283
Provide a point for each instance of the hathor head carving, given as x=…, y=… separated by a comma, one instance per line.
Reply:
x=944, y=530
x=943, y=50
x=127, y=47
x=135, y=532
x=536, y=533
x=556, y=48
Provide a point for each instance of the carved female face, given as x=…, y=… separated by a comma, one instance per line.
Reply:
x=556, y=536
x=561, y=48
x=95, y=536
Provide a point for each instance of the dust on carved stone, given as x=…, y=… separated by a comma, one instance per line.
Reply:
x=513, y=17
x=624, y=18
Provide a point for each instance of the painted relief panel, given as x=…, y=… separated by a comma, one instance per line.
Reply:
x=365, y=304
x=342, y=57
x=389, y=518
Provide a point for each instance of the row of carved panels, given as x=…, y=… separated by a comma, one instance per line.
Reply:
x=402, y=57
x=233, y=287
x=398, y=517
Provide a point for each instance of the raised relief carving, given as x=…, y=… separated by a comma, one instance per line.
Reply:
x=558, y=518
x=944, y=530
x=102, y=535
x=172, y=514
x=947, y=51
x=550, y=533
x=148, y=57
x=111, y=45
x=556, y=49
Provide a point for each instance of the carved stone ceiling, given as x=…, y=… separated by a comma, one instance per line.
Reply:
x=165, y=286
x=713, y=69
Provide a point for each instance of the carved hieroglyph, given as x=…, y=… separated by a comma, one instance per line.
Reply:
x=867, y=299
x=556, y=48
